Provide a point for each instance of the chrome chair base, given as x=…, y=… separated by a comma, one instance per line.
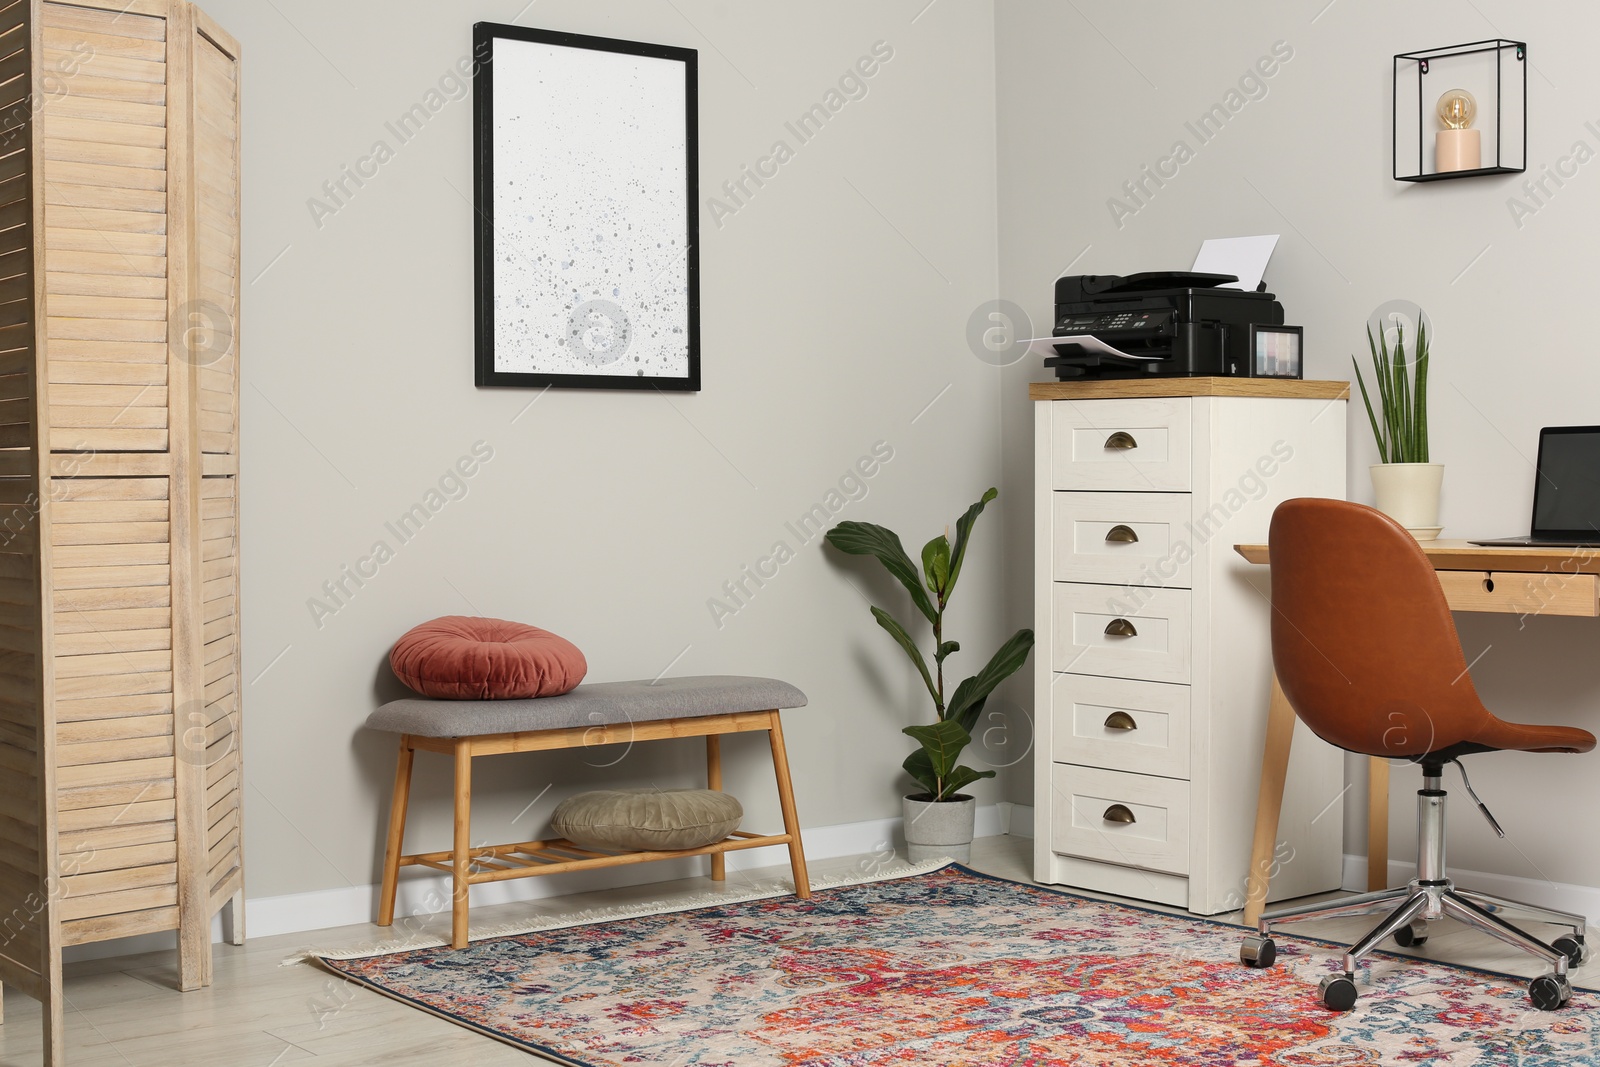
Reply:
x=1428, y=898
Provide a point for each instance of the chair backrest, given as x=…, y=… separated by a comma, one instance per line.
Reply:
x=1362, y=638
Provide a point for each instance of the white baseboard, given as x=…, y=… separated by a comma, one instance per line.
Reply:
x=1561, y=896
x=1577, y=899
x=1558, y=896
x=428, y=894
x=326, y=909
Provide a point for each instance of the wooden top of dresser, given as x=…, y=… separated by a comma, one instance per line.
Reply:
x=1124, y=388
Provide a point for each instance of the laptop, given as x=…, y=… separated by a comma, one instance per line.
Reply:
x=1566, y=492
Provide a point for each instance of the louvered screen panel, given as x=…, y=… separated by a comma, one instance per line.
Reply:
x=23, y=859
x=106, y=224
x=214, y=320
x=114, y=706
x=220, y=616
x=27, y=948
x=215, y=315
x=118, y=554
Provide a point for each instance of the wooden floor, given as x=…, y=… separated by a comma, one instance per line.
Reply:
x=127, y=1013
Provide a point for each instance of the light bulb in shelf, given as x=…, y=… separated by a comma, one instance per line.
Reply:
x=1457, y=146
x=1457, y=109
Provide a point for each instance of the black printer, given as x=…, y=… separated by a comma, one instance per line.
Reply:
x=1166, y=324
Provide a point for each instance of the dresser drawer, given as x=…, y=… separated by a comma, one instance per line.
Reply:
x=1118, y=538
x=1127, y=446
x=1120, y=725
x=1131, y=819
x=1098, y=629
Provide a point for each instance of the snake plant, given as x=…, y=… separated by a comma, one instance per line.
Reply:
x=1402, y=434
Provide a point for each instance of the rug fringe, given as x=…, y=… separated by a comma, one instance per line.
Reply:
x=588, y=917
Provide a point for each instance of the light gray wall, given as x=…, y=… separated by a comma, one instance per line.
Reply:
x=1091, y=92
x=834, y=308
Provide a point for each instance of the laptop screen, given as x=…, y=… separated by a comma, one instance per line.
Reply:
x=1566, y=500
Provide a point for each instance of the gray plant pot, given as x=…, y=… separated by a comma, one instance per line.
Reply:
x=934, y=831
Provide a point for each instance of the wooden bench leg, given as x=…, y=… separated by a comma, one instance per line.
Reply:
x=719, y=862
x=791, y=820
x=462, y=856
x=398, y=805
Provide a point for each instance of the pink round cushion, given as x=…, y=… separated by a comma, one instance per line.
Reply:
x=462, y=658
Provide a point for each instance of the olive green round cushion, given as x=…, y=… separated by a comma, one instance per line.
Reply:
x=660, y=820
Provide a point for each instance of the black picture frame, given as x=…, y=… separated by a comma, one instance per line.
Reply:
x=1260, y=367
x=492, y=236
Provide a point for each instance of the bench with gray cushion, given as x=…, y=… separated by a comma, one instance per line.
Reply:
x=595, y=714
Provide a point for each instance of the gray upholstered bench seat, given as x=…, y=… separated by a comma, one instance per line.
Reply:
x=598, y=714
x=595, y=704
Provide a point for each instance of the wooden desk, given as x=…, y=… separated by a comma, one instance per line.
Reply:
x=1514, y=581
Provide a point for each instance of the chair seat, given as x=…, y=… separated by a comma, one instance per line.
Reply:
x=1497, y=735
x=592, y=704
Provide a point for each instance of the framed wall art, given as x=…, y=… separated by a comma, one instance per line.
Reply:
x=588, y=263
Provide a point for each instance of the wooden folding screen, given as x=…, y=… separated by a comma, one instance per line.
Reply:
x=119, y=638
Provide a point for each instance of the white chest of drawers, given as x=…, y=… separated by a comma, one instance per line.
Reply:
x=1154, y=659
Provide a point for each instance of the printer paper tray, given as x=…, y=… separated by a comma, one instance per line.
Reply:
x=1046, y=346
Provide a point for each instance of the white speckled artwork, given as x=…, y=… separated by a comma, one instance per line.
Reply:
x=591, y=189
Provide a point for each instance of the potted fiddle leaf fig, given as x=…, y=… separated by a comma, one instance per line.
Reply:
x=938, y=817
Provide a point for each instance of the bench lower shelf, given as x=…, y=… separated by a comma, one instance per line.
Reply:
x=498, y=863
x=469, y=866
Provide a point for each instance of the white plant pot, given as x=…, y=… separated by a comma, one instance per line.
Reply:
x=1409, y=494
x=935, y=831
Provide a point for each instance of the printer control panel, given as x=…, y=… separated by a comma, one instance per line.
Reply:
x=1114, y=322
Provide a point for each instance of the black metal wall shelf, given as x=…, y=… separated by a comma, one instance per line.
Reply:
x=1495, y=72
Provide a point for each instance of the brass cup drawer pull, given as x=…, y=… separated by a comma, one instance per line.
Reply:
x=1121, y=440
x=1120, y=628
x=1119, y=813
x=1120, y=720
x=1121, y=534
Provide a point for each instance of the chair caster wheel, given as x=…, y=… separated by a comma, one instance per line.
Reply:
x=1338, y=992
x=1412, y=936
x=1549, y=992
x=1573, y=948
x=1258, y=951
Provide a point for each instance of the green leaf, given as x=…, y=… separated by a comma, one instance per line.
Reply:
x=898, y=632
x=1380, y=367
x=943, y=743
x=870, y=539
x=959, y=778
x=967, y=702
x=1391, y=398
x=1377, y=434
x=934, y=764
x=973, y=711
x=964, y=537
x=946, y=649
x=918, y=766
x=1402, y=399
x=936, y=566
x=1422, y=390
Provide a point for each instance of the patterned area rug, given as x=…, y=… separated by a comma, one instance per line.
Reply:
x=952, y=967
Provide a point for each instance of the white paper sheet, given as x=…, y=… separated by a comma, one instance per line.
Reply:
x=1245, y=256
x=1045, y=346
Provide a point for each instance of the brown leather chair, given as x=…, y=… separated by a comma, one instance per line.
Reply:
x=1367, y=653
